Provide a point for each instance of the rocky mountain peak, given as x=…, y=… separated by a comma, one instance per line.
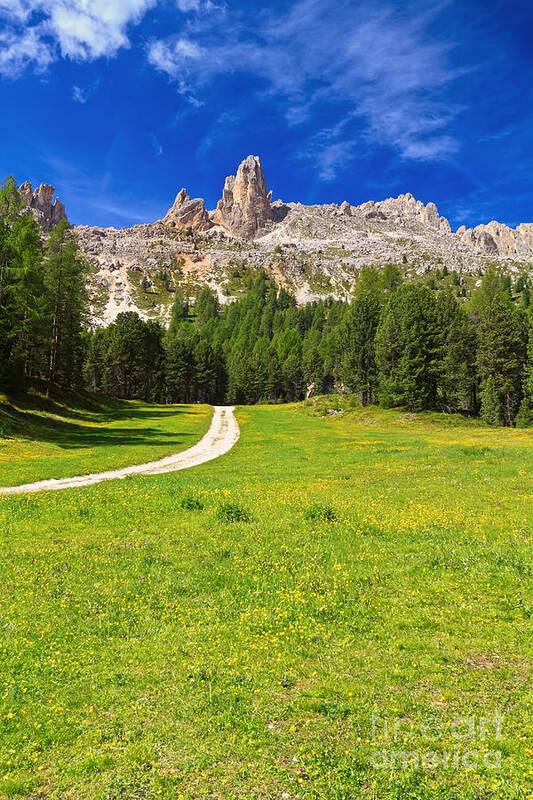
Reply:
x=187, y=212
x=406, y=207
x=246, y=203
x=314, y=251
x=500, y=240
x=47, y=211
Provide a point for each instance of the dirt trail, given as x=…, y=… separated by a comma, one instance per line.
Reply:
x=221, y=436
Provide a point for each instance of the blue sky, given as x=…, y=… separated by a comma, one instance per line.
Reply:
x=120, y=103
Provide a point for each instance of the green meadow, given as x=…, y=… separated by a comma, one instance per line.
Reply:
x=338, y=608
x=50, y=438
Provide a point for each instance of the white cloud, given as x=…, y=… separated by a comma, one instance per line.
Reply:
x=336, y=64
x=82, y=94
x=18, y=50
x=332, y=157
x=83, y=30
x=186, y=6
x=156, y=144
x=16, y=9
x=88, y=29
x=174, y=57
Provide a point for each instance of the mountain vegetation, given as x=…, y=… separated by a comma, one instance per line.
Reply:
x=394, y=343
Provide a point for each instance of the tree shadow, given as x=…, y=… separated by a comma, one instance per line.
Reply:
x=70, y=428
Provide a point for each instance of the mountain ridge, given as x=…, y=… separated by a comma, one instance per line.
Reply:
x=313, y=250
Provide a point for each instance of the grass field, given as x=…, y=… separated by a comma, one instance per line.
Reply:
x=52, y=439
x=340, y=607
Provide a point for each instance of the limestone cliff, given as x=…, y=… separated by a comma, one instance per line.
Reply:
x=500, y=240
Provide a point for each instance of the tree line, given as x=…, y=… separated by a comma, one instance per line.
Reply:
x=394, y=343
x=43, y=299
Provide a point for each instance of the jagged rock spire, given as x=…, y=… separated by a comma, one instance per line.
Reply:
x=246, y=204
x=46, y=211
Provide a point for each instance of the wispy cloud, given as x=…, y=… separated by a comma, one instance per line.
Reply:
x=156, y=144
x=358, y=75
x=37, y=32
x=332, y=63
x=98, y=195
x=79, y=95
x=82, y=94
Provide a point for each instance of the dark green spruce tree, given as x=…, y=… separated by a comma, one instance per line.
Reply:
x=65, y=285
x=409, y=349
x=359, y=369
x=501, y=352
x=22, y=304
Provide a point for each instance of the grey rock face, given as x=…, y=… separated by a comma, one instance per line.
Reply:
x=47, y=211
x=246, y=203
x=187, y=213
x=500, y=240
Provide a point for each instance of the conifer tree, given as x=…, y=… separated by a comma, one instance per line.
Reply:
x=206, y=306
x=408, y=349
x=501, y=351
x=179, y=312
x=524, y=418
x=359, y=369
x=491, y=409
x=179, y=369
x=458, y=377
x=21, y=290
x=64, y=280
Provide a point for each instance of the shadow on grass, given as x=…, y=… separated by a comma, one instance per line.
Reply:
x=27, y=421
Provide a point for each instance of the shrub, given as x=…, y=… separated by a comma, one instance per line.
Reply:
x=321, y=513
x=191, y=503
x=231, y=512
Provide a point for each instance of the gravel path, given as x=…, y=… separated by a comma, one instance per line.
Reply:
x=221, y=436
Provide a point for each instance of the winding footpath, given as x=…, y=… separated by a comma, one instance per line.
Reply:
x=223, y=433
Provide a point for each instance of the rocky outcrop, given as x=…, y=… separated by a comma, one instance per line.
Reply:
x=496, y=239
x=47, y=211
x=405, y=208
x=187, y=213
x=246, y=204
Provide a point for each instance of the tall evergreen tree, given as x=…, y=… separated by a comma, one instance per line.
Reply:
x=458, y=375
x=491, y=408
x=501, y=351
x=179, y=312
x=409, y=347
x=179, y=369
x=21, y=290
x=359, y=333
x=65, y=284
